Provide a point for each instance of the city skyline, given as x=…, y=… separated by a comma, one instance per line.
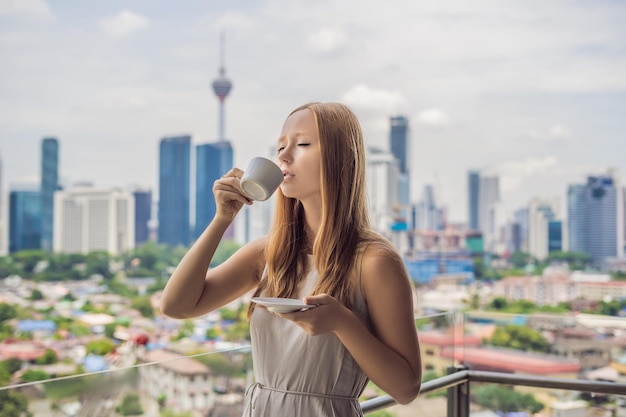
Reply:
x=533, y=96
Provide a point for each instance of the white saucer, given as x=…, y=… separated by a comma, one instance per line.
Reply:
x=281, y=305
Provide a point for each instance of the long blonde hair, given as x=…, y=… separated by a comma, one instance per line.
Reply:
x=344, y=223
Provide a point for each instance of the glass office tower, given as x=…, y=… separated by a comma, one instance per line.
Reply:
x=25, y=217
x=212, y=161
x=174, y=190
x=49, y=184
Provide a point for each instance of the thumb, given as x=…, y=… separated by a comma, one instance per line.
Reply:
x=315, y=299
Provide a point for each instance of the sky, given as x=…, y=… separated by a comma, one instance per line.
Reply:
x=531, y=91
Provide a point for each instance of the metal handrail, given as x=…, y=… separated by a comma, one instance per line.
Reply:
x=468, y=376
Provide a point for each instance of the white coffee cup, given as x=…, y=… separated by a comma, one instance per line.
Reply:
x=261, y=178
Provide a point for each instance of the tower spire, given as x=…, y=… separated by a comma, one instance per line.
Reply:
x=222, y=87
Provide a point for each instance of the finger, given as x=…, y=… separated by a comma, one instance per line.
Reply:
x=315, y=299
x=233, y=173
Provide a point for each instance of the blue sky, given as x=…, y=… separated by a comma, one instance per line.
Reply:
x=534, y=92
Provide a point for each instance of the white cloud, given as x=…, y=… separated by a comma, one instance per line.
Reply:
x=36, y=8
x=515, y=173
x=365, y=97
x=124, y=23
x=552, y=134
x=433, y=118
x=327, y=40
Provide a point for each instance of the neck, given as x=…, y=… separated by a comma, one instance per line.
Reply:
x=313, y=219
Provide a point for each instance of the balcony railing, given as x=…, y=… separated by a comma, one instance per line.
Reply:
x=98, y=394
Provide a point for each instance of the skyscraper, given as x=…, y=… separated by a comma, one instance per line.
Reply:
x=596, y=220
x=174, y=190
x=488, y=210
x=143, y=215
x=577, y=218
x=49, y=184
x=3, y=217
x=24, y=219
x=399, y=141
x=544, y=227
x=473, y=187
x=400, y=149
x=212, y=161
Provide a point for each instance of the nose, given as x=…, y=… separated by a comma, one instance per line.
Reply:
x=284, y=155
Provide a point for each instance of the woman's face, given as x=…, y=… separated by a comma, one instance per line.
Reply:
x=299, y=156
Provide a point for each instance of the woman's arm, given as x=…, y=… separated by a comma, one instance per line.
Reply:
x=194, y=289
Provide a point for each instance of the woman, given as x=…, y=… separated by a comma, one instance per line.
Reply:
x=322, y=249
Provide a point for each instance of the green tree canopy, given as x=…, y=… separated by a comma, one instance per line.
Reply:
x=130, y=406
x=520, y=338
x=503, y=399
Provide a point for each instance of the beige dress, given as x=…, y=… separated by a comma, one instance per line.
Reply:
x=301, y=375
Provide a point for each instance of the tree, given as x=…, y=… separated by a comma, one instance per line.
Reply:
x=13, y=404
x=520, y=338
x=100, y=346
x=130, y=406
x=12, y=365
x=521, y=259
x=98, y=264
x=28, y=259
x=7, y=312
x=49, y=357
x=32, y=375
x=169, y=413
x=499, y=303
x=143, y=305
x=503, y=399
x=36, y=294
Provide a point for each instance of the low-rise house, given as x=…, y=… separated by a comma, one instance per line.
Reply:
x=184, y=382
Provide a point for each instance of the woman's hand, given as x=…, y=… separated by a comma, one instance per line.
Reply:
x=229, y=197
x=327, y=316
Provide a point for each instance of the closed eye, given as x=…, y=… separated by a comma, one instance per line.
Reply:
x=303, y=144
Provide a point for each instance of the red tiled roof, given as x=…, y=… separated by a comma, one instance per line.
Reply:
x=22, y=350
x=512, y=361
x=175, y=362
x=442, y=339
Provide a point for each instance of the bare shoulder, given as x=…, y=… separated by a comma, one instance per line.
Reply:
x=383, y=269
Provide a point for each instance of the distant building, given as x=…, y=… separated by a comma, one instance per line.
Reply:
x=174, y=190
x=382, y=172
x=545, y=231
x=488, y=210
x=596, y=217
x=558, y=286
x=143, y=215
x=184, y=382
x=482, y=358
x=428, y=216
x=212, y=161
x=399, y=145
x=49, y=184
x=94, y=219
x=24, y=220
x=473, y=190
x=484, y=207
x=520, y=217
x=3, y=216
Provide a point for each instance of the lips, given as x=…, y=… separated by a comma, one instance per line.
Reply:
x=287, y=174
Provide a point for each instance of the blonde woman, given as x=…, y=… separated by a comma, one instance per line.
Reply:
x=321, y=249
